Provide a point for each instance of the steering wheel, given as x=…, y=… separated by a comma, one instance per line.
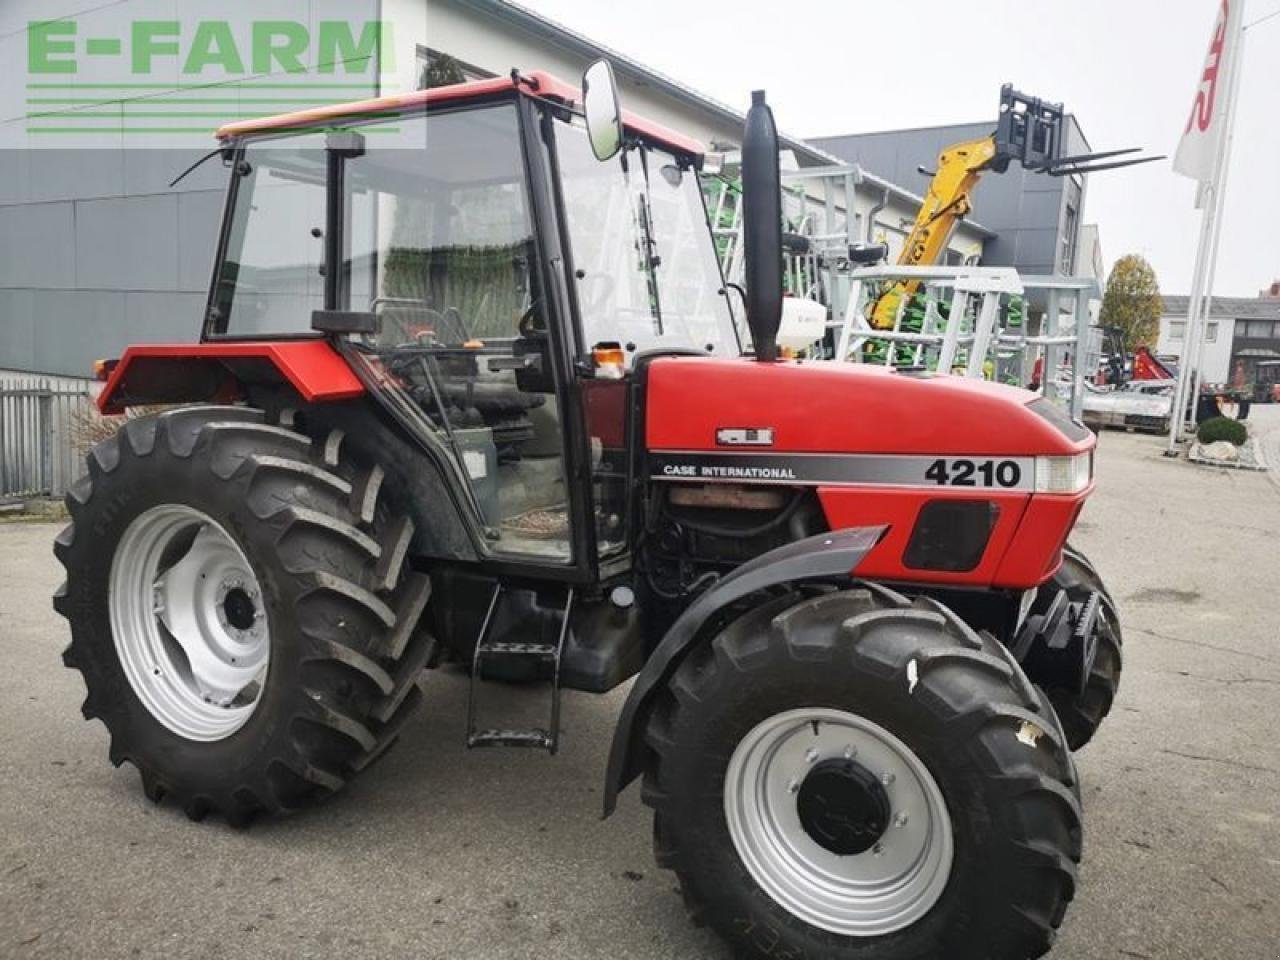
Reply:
x=407, y=317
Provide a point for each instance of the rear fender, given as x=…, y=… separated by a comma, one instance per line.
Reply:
x=826, y=556
x=215, y=372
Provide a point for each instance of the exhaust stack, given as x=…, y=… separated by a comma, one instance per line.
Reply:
x=762, y=227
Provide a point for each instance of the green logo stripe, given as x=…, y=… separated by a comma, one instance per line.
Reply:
x=102, y=47
x=79, y=115
x=170, y=101
x=205, y=130
x=230, y=84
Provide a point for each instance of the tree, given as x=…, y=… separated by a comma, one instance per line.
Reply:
x=1132, y=301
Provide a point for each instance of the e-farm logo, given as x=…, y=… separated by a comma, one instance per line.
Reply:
x=121, y=80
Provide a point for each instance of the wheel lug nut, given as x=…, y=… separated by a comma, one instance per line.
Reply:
x=793, y=786
x=811, y=755
x=878, y=850
x=850, y=752
x=887, y=778
x=900, y=820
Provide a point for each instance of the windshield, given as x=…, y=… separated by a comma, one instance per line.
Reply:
x=647, y=273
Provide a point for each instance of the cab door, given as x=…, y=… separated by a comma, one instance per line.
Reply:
x=442, y=244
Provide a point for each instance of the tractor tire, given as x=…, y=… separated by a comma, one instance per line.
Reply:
x=240, y=609
x=1082, y=713
x=960, y=836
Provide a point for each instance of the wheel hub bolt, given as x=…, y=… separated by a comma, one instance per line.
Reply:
x=850, y=752
x=900, y=820
x=793, y=786
x=887, y=778
x=878, y=850
x=811, y=755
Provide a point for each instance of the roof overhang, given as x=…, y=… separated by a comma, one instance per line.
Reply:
x=631, y=69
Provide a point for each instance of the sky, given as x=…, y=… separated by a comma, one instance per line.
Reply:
x=1127, y=69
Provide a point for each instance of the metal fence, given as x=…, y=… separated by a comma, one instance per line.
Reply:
x=40, y=420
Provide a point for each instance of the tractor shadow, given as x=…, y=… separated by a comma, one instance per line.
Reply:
x=516, y=832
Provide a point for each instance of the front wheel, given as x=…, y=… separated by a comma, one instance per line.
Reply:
x=855, y=776
x=1082, y=710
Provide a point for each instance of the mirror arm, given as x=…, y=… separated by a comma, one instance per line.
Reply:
x=519, y=78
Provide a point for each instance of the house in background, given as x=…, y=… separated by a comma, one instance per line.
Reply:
x=1241, y=332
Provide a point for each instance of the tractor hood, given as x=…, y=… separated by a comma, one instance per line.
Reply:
x=735, y=405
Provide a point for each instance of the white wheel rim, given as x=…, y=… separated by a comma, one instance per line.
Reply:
x=188, y=621
x=874, y=893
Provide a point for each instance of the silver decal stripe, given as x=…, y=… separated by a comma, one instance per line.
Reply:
x=825, y=469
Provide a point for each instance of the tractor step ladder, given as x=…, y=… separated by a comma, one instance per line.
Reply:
x=541, y=738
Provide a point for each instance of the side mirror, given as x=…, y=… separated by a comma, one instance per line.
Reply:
x=600, y=104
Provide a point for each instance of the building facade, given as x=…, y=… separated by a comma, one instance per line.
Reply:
x=1241, y=331
x=99, y=250
x=490, y=37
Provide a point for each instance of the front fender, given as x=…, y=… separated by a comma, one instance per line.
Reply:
x=826, y=556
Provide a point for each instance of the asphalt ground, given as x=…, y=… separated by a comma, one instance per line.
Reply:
x=437, y=852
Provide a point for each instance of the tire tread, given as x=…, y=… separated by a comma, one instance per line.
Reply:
x=351, y=701
x=884, y=632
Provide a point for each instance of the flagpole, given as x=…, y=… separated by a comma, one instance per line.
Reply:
x=1237, y=68
x=1190, y=337
x=1206, y=261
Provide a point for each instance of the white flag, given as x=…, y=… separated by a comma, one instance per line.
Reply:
x=1199, y=148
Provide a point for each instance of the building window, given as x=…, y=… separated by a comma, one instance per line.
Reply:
x=436, y=68
x=1256, y=329
x=1178, y=331
x=1070, y=232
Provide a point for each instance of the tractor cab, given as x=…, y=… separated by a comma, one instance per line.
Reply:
x=491, y=268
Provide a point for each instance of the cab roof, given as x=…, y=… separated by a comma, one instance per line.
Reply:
x=535, y=84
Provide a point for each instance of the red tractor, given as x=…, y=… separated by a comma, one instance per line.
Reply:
x=470, y=390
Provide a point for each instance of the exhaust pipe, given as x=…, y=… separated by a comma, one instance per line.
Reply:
x=762, y=227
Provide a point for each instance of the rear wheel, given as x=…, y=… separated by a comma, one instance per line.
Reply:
x=855, y=776
x=240, y=609
x=1082, y=711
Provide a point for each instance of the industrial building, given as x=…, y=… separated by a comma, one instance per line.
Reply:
x=97, y=250
x=1037, y=219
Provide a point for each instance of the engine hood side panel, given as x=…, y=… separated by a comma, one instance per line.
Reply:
x=824, y=407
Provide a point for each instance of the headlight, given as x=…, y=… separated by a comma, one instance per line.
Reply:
x=1064, y=474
